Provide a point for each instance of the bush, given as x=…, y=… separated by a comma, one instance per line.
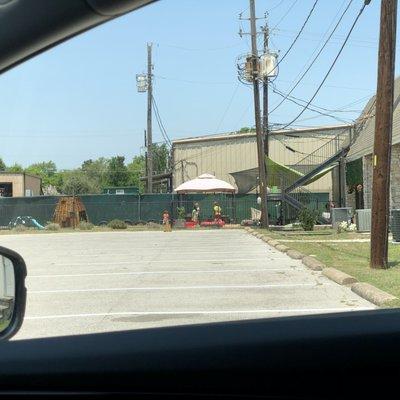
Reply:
x=181, y=212
x=307, y=219
x=20, y=228
x=152, y=224
x=52, y=227
x=117, y=224
x=85, y=226
x=346, y=227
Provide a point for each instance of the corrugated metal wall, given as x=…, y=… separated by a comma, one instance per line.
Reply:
x=231, y=154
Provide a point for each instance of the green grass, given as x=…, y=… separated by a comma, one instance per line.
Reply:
x=3, y=325
x=325, y=234
x=349, y=257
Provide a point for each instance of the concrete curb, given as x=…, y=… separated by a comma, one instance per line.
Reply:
x=371, y=293
x=282, y=248
x=313, y=263
x=362, y=289
x=296, y=255
x=338, y=276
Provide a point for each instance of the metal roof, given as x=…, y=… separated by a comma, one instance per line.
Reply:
x=236, y=135
x=364, y=144
x=5, y=173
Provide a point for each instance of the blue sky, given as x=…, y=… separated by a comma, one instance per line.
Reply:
x=79, y=100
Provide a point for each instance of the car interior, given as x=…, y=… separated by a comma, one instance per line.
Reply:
x=335, y=356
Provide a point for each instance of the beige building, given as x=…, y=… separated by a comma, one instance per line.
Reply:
x=19, y=185
x=221, y=155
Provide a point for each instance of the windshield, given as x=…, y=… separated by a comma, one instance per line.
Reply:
x=195, y=162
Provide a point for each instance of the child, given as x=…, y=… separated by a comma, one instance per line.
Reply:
x=196, y=213
x=166, y=222
x=217, y=211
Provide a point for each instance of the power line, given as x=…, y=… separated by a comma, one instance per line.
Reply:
x=200, y=49
x=343, y=109
x=367, y=44
x=278, y=5
x=338, y=37
x=309, y=106
x=362, y=99
x=314, y=60
x=299, y=33
x=331, y=86
x=192, y=81
x=322, y=39
x=228, y=106
x=160, y=123
x=286, y=13
x=333, y=64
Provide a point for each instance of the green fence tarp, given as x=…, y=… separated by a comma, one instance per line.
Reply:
x=148, y=207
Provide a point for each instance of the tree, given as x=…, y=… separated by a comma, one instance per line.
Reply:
x=160, y=158
x=246, y=129
x=117, y=172
x=97, y=170
x=136, y=169
x=76, y=182
x=2, y=165
x=15, y=169
x=47, y=171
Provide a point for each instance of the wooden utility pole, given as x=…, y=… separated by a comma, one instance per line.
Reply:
x=265, y=97
x=383, y=135
x=259, y=133
x=149, y=120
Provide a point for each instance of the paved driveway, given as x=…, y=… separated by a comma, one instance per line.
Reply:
x=95, y=282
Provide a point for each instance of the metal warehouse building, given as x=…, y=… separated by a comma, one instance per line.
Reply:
x=223, y=154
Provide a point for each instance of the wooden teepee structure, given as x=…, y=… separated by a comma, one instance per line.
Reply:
x=69, y=212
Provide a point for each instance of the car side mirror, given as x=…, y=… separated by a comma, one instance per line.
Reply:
x=12, y=292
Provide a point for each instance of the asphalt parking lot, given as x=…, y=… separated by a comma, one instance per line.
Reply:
x=108, y=281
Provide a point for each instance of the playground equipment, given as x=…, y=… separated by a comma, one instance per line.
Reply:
x=27, y=221
x=69, y=212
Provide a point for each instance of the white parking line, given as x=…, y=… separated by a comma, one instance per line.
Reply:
x=150, y=288
x=218, y=271
x=214, y=260
x=261, y=252
x=227, y=312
